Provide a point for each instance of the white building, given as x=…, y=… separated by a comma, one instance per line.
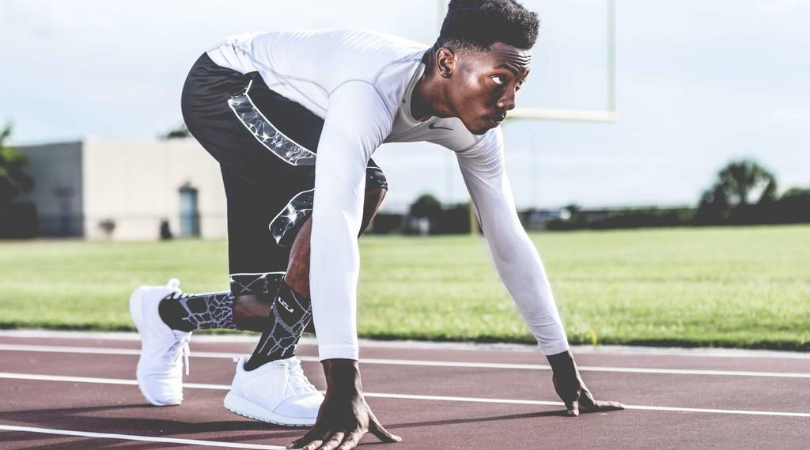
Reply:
x=104, y=189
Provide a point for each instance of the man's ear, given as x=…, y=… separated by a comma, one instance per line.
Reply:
x=445, y=62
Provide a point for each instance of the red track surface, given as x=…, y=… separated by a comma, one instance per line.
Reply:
x=776, y=397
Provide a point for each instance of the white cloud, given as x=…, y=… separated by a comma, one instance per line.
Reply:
x=791, y=117
x=778, y=5
x=47, y=19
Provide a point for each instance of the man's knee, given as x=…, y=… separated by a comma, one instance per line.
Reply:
x=297, y=277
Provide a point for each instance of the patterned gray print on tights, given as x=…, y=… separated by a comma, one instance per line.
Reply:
x=208, y=311
x=285, y=148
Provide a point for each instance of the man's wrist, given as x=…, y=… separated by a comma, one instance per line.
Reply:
x=342, y=377
x=563, y=365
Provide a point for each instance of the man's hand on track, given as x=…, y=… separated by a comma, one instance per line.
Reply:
x=344, y=416
x=572, y=390
x=581, y=400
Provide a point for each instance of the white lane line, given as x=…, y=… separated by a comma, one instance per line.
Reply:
x=64, y=349
x=547, y=403
x=423, y=363
x=94, y=380
x=732, y=373
x=224, y=387
x=132, y=437
x=427, y=345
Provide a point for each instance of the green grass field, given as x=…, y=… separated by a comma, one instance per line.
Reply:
x=731, y=287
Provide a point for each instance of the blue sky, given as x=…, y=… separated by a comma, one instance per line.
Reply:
x=699, y=83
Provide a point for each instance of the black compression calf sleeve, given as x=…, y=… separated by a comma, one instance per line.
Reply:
x=289, y=316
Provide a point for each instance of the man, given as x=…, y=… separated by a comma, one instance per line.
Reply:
x=293, y=119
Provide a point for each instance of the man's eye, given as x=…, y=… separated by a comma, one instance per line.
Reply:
x=499, y=79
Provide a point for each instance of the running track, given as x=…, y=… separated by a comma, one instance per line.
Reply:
x=77, y=391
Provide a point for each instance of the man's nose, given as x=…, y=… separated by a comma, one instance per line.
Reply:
x=507, y=101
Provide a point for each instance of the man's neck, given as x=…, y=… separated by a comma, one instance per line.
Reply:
x=428, y=97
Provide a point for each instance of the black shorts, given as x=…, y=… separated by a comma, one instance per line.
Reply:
x=266, y=146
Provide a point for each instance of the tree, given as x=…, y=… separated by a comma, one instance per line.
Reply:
x=740, y=180
x=794, y=206
x=713, y=207
x=796, y=194
x=744, y=192
x=425, y=210
x=13, y=179
x=180, y=132
x=426, y=206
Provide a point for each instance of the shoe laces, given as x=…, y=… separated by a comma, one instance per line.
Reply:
x=296, y=377
x=180, y=349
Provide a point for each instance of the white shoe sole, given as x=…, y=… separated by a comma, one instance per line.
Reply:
x=136, y=313
x=246, y=408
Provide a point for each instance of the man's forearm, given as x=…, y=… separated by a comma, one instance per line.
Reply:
x=523, y=275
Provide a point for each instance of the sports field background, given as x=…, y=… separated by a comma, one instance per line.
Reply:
x=733, y=287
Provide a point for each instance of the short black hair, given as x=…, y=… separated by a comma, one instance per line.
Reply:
x=477, y=24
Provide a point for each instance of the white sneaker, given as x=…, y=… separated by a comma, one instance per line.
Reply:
x=160, y=367
x=277, y=392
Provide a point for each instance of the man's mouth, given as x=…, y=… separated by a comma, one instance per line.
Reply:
x=494, y=121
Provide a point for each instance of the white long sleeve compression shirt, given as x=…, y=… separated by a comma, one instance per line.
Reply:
x=360, y=83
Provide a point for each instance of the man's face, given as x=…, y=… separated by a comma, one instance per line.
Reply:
x=484, y=85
